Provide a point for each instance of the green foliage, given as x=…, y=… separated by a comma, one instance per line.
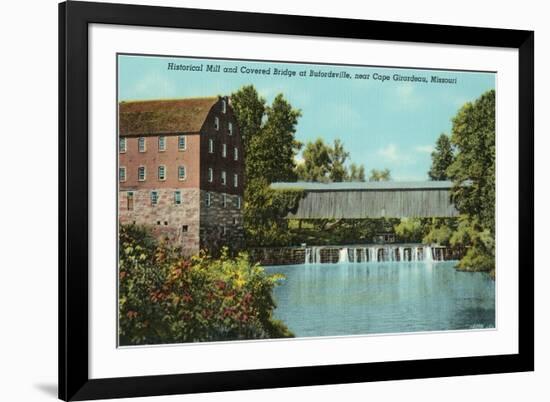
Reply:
x=356, y=172
x=426, y=230
x=271, y=152
x=442, y=157
x=165, y=298
x=317, y=163
x=338, y=156
x=265, y=213
x=380, y=175
x=411, y=230
x=338, y=231
x=440, y=231
x=324, y=163
x=474, y=139
x=479, y=243
x=249, y=109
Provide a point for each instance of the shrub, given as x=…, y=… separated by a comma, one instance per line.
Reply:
x=166, y=298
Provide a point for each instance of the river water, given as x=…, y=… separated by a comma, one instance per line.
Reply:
x=386, y=297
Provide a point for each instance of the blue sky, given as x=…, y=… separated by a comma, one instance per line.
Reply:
x=387, y=124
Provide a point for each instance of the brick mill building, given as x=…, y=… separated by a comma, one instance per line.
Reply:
x=181, y=171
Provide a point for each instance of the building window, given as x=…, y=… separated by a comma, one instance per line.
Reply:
x=177, y=197
x=210, y=175
x=122, y=145
x=141, y=173
x=235, y=180
x=130, y=201
x=141, y=144
x=224, y=200
x=182, y=143
x=224, y=230
x=162, y=172
x=239, y=202
x=184, y=228
x=181, y=172
x=208, y=199
x=162, y=143
x=154, y=198
x=235, y=221
x=224, y=150
x=224, y=106
x=236, y=153
x=210, y=146
x=230, y=128
x=224, y=177
x=216, y=123
x=122, y=173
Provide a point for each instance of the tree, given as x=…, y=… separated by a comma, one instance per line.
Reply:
x=265, y=212
x=380, y=175
x=249, y=109
x=317, y=162
x=473, y=168
x=411, y=230
x=271, y=151
x=338, y=156
x=442, y=157
x=324, y=163
x=356, y=173
x=473, y=174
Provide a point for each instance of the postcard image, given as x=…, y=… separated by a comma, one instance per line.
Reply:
x=262, y=200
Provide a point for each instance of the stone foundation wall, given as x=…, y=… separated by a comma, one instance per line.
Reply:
x=278, y=255
x=217, y=218
x=178, y=223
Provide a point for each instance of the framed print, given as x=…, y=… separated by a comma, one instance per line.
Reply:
x=257, y=201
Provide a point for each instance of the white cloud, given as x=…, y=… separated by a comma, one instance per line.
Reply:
x=406, y=96
x=394, y=155
x=390, y=153
x=406, y=91
x=424, y=149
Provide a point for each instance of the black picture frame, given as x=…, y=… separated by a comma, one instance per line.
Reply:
x=74, y=18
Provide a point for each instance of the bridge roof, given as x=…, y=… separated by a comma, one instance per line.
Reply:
x=358, y=200
x=365, y=186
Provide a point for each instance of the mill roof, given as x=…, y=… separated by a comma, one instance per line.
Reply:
x=164, y=116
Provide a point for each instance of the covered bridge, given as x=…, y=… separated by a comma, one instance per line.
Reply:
x=356, y=200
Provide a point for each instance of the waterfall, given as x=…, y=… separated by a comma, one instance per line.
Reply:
x=427, y=252
x=343, y=257
x=375, y=253
x=313, y=255
x=354, y=255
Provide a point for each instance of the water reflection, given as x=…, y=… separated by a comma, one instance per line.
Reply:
x=366, y=298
